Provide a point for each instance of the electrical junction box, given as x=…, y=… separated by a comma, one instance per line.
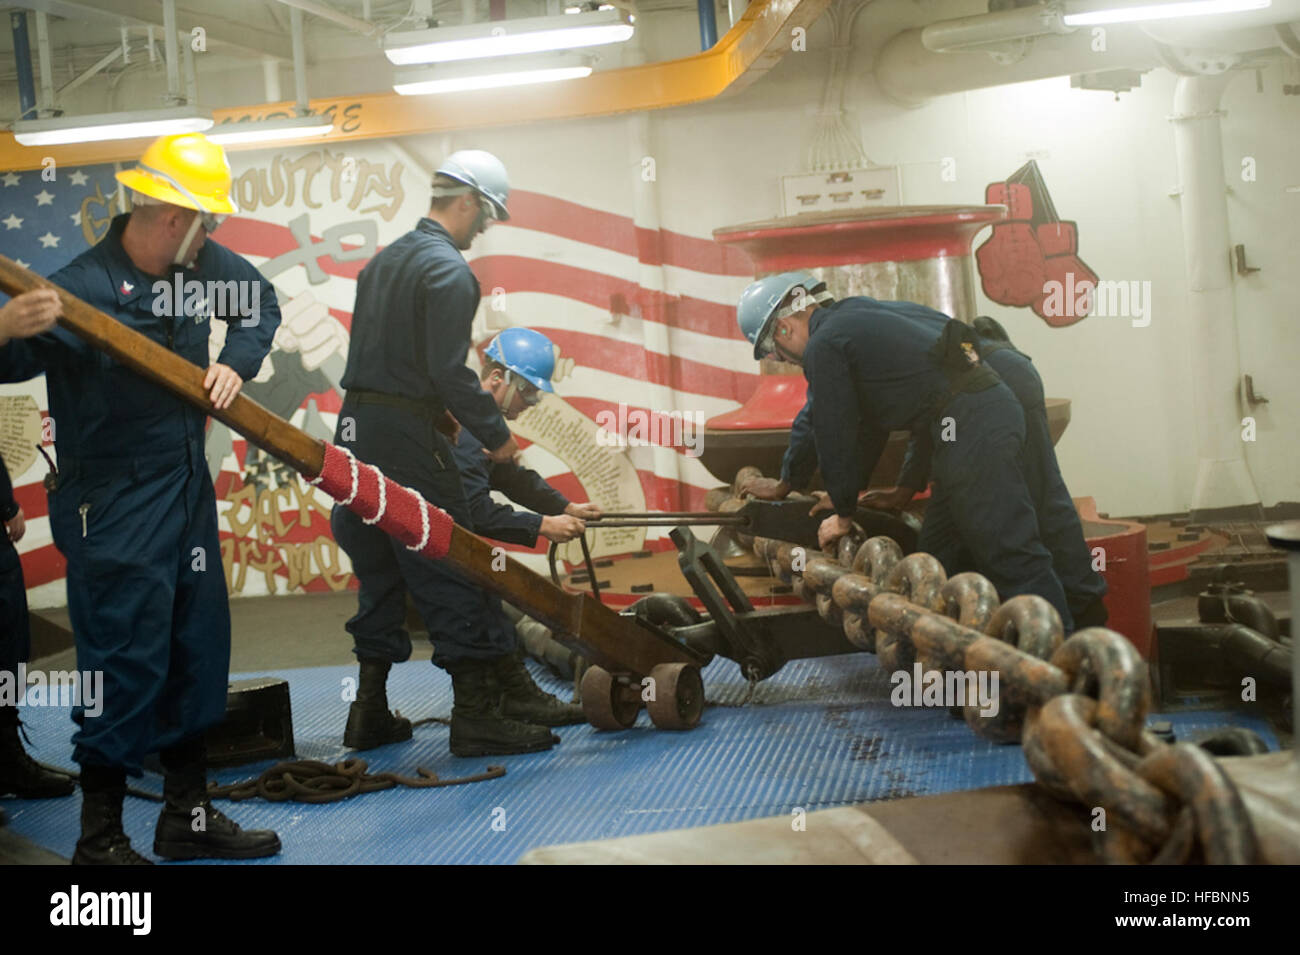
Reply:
x=834, y=191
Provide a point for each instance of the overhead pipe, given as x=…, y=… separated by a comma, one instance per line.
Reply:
x=708, y=24
x=1223, y=480
x=299, y=61
x=910, y=74
x=1000, y=27
x=329, y=13
x=23, y=63
x=172, y=52
x=46, y=61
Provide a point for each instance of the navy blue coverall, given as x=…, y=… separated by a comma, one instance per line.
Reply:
x=15, y=628
x=870, y=372
x=135, y=513
x=411, y=324
x=481, y=475
x=1058, y=520
x=524, y=486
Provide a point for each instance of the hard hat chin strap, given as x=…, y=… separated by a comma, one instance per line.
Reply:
x=801, y=302
x=190, y=233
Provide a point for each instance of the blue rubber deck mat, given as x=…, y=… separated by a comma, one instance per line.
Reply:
x=818, y=734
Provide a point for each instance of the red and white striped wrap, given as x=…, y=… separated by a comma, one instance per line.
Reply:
x=398, y=511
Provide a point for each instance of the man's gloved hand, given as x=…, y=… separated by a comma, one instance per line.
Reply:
x=562, y=527
x=823, y=503
x=586, y=512
x=504, y=454
x=888, y=499
x=832, y=529
x=29, y=314
x=765, y=489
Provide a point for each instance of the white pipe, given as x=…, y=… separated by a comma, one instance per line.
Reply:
x=171, y=51
x=999, y=27
x=1222, y=477
x=271, y=78
x=467, y=12
x=329, y=13
x=99, y=64
x=191, y=77
x=299, y=60
x=43, y=57
x=910, y=75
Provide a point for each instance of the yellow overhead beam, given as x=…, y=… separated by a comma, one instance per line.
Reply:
x=757, y=42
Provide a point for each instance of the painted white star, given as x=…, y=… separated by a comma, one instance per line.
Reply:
x=22, y=263
x=76, y=218
x=78, y=178
x=10, y=178
x=12, y=222
x=49, y=240
x=43, y=198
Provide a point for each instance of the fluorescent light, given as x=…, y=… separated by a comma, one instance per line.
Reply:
x=424, y=82
x=1163, y=11
x=101, y=126
x=507, y=37
x=266, y=130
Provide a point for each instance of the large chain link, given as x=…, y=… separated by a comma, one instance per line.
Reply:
x=1077, y=706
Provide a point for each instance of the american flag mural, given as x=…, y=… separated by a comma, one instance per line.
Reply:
x=623, y=303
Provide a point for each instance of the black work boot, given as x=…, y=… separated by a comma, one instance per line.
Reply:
x=103, y=842
x=19, y=773
x=477, y=726
x=189, y=826
x=369, y=722
x=524, y=700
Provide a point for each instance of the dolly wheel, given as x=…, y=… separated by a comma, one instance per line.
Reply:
x=605, y=703
x=679, y=696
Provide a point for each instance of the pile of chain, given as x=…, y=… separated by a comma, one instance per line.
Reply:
x=1078, y=706
x=307, y=780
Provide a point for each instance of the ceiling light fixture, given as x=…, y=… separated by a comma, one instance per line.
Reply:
x=1163, y=11
x=269, y=130
x=98, y=127
x=524, y=71
x=508, y=37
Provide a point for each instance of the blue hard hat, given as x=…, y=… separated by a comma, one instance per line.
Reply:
x=483, y=172
x=758, y=304
x=527, y=353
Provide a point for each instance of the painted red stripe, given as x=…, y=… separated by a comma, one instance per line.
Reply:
x=249, y=236
x=32, y=499
x=569, y=220
x=635, y=362
x=43, y=565
x=516, y=273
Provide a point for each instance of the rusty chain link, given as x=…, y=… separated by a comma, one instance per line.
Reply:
x=1077, y=706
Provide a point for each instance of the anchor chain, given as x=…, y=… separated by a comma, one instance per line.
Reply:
x=1077, y=706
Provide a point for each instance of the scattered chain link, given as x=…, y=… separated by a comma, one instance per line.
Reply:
x=1077, y=706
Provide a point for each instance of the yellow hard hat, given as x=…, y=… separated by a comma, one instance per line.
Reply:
x=186, y=169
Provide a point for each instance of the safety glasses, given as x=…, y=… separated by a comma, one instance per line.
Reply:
x=211, y=221
x=527, y=391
